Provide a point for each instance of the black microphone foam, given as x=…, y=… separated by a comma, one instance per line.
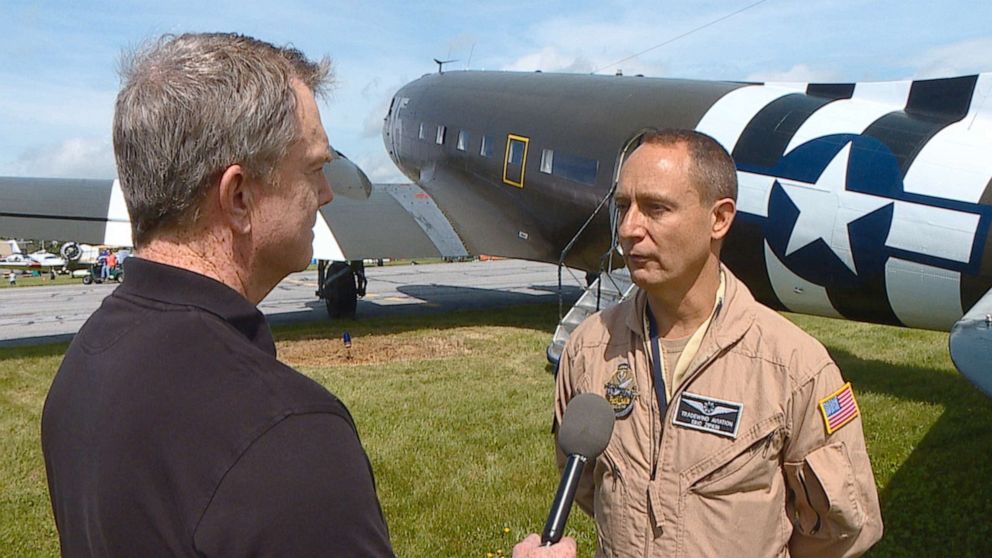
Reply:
x=586, y=426
x=585, y=432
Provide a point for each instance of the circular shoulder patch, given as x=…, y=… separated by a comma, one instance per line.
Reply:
x=621, y=390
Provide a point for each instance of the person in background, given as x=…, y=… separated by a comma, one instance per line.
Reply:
x=102, y=262
x=111, y=263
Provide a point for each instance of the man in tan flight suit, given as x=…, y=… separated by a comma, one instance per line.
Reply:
x=735, y=434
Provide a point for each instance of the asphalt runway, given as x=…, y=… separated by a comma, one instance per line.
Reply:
x=34, y=315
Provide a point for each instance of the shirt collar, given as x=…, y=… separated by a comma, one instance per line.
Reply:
x=648, y=327
x=173, y=285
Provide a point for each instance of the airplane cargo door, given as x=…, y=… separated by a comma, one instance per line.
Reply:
x=515, y=160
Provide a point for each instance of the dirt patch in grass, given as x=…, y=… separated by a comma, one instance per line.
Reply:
x=371, y=350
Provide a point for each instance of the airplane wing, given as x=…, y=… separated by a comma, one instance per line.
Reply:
x=79, y=210
x=394, y=221
x=363, y=221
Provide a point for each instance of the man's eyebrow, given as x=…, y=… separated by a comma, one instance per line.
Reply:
x=653, y=196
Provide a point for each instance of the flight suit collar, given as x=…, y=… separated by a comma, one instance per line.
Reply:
x=175, y=286
x=729, y=323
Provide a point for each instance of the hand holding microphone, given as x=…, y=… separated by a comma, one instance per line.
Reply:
x=585, y=432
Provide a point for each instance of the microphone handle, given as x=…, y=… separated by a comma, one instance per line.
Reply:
x=562, y=504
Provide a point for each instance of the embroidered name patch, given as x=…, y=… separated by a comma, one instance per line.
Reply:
x=708, y=414
x=839, y=408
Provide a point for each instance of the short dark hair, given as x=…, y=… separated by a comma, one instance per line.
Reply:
x=711, y=168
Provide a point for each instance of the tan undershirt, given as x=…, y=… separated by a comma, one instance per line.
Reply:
x=675, y=366
x=672, y=349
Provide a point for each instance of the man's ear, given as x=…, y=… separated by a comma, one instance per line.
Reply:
x=722, y=217
x=235, y=198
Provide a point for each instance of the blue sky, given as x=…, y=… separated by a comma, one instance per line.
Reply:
x=58, y=59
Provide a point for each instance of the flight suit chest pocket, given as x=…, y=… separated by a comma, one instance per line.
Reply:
x=749, y=463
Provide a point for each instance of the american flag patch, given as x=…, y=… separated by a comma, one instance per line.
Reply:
x=839, y=408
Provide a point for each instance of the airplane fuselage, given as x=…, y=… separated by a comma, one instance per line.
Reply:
x=862, y=201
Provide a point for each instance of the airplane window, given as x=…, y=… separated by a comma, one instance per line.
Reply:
x=422, y=135
x=462, y=140
x=547, y=159
x=516, y=152
x=487, y=147
x=575, y=168
x=440, y=135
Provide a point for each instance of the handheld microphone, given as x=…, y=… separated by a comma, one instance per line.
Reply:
x=585, y=432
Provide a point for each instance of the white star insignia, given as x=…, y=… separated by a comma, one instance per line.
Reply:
x=827, y=208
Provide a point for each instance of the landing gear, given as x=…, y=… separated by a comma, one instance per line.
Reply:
x=341, y=284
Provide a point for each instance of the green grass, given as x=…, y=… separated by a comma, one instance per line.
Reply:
x=42, y=280
x=455, y=413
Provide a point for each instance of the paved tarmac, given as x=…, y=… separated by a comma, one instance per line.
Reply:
x=32, y=315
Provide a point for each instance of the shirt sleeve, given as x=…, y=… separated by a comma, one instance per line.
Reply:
x=304, y=488
x=832, y=496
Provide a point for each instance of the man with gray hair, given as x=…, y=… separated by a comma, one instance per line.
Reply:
x=198, y=441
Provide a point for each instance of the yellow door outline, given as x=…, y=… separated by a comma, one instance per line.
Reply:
x=510, y=138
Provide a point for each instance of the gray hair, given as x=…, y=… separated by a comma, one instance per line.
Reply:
x=194, y=104
x=711, y=168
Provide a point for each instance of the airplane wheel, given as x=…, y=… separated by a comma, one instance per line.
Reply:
x=340, y=291
x=88, y=280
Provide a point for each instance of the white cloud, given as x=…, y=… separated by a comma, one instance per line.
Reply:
x=380, y=168
x=73, y=158
x=954, y=59
x=550, y=59
x=377, y=98
x=798, y=73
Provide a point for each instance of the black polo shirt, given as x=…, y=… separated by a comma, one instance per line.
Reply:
x=172, y=430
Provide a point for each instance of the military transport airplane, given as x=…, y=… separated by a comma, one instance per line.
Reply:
x=864, y=201
x=867, y=201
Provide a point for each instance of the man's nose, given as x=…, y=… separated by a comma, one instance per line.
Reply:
x=631, y=225
x=326, y=194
